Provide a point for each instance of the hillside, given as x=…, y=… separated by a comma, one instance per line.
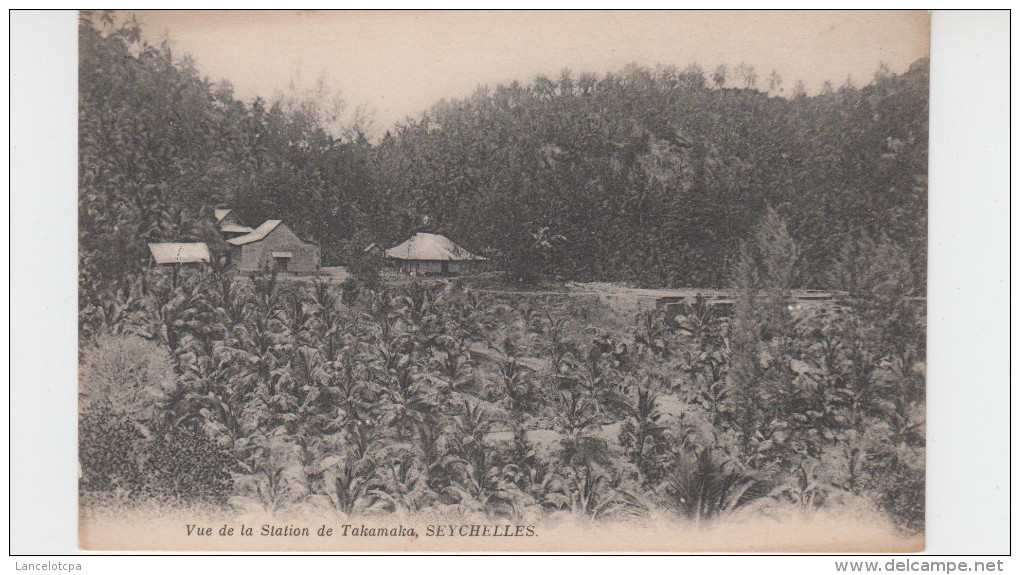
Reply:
x=649, y=176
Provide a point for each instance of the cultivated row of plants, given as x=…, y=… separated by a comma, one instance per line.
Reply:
x=199, y=388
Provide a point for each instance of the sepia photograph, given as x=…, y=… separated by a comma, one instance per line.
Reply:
x=502, y=281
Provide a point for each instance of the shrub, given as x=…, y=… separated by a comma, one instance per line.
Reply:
x=126, y=375
x=187, y=467
x=121, y=382
x=363, y=267
x=108, y=454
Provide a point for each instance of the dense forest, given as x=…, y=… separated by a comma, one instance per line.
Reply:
x=435, y=397
x=649, y=176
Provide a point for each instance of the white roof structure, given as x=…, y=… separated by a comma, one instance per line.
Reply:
x=221, y=213
x=433, y=247
x=257, y=234
x=174, y=253
x=235, y=229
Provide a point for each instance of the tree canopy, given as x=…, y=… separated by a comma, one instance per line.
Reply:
x=652, y=176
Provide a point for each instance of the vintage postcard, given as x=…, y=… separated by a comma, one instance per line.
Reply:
x=510, y=281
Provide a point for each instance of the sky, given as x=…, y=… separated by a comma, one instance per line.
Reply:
x=399, y=63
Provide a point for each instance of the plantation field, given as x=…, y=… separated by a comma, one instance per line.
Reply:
x=268, y=397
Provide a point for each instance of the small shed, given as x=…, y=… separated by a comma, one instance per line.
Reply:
x=179, y=253
x=433, y=254
x=230, y=224
x=274, y=246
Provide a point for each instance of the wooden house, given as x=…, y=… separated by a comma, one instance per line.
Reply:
x=273, y=246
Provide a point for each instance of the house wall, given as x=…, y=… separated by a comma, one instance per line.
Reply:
x=432, y=267
x=259, y=255
x=420, y=267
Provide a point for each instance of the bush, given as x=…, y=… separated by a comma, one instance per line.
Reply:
x=127, y=375
x=123, y=447
x=187, y=467
x=121, y=382
x=172, y=466
x=108, y=454
x=363, y=267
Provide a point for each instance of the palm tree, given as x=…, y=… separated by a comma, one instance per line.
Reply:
x=704, y=485
x=748, y=74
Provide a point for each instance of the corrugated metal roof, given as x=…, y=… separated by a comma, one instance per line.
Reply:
x=257, y=234
x=173, y=253
x=236, y=229
x=221, y=213
x=434, y=247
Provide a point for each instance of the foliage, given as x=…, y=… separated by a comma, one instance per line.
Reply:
x=646, y=175
x=185, y=466
x=268, y=394
x=704, y=485
x=126, y=375
x=654, y=177
x=107, y=453
x=278, y=394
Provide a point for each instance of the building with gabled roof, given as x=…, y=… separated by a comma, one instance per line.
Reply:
x=273, y=246
x=230, y=224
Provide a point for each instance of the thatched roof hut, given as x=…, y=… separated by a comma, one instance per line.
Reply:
x=427, y=253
